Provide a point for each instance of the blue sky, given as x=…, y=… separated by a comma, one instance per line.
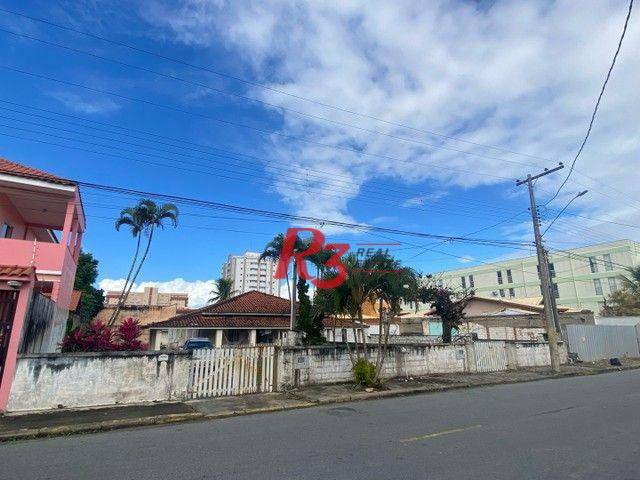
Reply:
x=513, y=76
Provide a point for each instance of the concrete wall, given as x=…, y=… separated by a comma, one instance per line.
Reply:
x=328, y=364
x=88, y=379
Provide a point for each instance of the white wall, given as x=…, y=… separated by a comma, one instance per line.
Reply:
x=89, y=379
x=328, y=364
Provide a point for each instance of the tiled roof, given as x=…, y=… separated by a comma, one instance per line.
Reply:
x=16, y=271
x=225, y=321
x=11, y=168
x=250, y=302
x=248, y=310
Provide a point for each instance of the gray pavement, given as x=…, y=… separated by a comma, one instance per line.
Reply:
x=577, y=427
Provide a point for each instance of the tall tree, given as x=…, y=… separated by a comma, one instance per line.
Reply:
x=145, y=218
x=631, y=281
x=310, y=320
x=134, y=218
x=92, y=298
x=625, y=301
x=449, y=306
x=273, y=250
x=224, y=290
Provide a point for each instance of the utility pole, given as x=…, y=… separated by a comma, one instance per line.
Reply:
x=545, y=278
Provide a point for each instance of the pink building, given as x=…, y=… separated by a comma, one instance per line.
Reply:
x=41, y=227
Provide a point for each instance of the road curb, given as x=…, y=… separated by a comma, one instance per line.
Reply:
x=304, y=402
x=62, y=430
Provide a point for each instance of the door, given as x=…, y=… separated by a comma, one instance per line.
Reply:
x=8, y=300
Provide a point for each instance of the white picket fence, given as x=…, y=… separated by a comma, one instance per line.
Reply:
x=217, y=372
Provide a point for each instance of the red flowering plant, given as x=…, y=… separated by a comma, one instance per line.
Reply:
x=97, y=337
x=127, y=336
x=94, y=337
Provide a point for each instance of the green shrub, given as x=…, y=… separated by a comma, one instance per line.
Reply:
x=364, y=373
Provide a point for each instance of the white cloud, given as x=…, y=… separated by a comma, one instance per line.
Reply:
x=466, y=259
x=81, y=104
x=522, y=75
x=199, y=291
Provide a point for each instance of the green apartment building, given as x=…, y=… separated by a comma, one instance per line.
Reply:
x=582, y=277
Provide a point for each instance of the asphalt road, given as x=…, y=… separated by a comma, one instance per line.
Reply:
x=581, y=427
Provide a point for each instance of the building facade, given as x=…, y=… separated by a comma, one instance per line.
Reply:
x=249, y=273
x=148, y=306
x=149, y=297
x=582, y=277
x=41, y=226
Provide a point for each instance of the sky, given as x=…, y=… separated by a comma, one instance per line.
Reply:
x=407, y=115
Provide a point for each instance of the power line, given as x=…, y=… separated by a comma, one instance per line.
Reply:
x=562, y=211
x=292, y=217
x=595, y=110
x=244, y=97
x=244, y=126
x=260, y=85
x=159, y=139
x=207, y=69
x=342, y=186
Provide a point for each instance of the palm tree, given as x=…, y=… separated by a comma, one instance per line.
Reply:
x=135, y=218
x=146, y=216
x=273, y=250
x=224, y=290
x=632, y=282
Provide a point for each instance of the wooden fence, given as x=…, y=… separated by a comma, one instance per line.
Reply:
x=217, y=372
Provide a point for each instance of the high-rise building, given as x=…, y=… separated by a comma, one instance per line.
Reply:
x=581, y=277
x=249, y=273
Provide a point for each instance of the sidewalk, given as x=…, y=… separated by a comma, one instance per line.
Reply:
x=67, y=422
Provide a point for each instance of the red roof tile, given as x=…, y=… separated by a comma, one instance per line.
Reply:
x=11, y=168
x=16, y=271
x=248, y=310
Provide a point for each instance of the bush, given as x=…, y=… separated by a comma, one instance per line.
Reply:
x=97, y=337
x=127, y=336
x=364, y=373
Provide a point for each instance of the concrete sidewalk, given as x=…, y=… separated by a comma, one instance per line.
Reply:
x=74, y=421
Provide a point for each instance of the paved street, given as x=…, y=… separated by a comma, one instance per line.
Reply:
x=581, y=427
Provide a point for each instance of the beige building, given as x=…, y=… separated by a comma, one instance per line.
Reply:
x=148, y=306
x=249, y=273
x=582, y=277
x=150, y=296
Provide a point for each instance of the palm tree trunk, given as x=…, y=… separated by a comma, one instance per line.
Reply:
x=294, y=276
x=144, y=257
x=122, y=296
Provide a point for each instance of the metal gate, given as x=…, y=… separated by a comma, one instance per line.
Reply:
x=601, y=342
x=491, y=356
x=217, y=372
x=8, y=300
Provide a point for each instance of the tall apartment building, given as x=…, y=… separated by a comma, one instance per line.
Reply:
x=249, y=274
x=582, y=277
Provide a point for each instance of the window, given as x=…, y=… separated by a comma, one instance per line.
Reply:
x=512, y=293
x=613, y=284
x=552, y=270
x=608, y=264
x=471, y=284
x=593, y=266
x=509, y=276
x=7, y=231
x=499, y=277
x=463, y=282
x=597, y=284
x=502, y=292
